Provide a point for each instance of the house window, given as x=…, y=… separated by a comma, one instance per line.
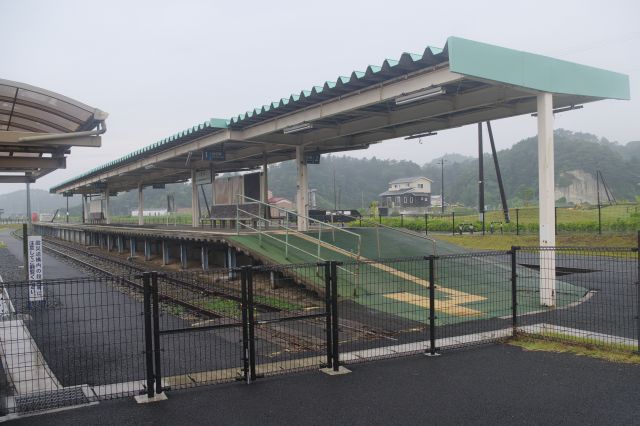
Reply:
x=398, y=199
x=411, y=200
x=405, y=200
x=420, y=185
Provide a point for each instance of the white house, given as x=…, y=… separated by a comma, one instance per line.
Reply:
x=412, y=193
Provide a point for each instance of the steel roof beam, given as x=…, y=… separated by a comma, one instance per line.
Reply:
x=16, y=179
x=31, y=163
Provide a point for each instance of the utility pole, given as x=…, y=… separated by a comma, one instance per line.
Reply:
x=335, y=196
x=442, y=161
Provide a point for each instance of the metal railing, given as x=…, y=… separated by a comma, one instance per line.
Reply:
x=268, y=225
x=404, y=231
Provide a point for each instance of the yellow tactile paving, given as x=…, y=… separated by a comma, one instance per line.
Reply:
x=447, y=306
x=450, y=306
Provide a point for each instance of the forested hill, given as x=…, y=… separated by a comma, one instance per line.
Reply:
x=358, y=179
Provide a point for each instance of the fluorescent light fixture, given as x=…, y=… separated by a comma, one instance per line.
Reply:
x=563, y=109
x=420, y=95
x=421, y=135
x=297, y=128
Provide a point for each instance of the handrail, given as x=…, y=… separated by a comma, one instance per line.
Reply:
x=379, y=225
x=286, y=242
x=253, y=200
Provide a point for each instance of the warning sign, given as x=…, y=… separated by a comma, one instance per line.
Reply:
x=36, y=273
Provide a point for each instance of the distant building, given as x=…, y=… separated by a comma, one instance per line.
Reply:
x=407, y=195
x=160, y=212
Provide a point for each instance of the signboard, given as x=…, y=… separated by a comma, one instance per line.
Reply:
x=312, y=157
x=213, y=155
x=203, y=177
x=36, y=288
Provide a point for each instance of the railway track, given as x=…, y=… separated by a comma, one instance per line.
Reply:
x=173, y=291
x=183, y=293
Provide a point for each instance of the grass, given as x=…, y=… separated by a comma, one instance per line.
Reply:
x=224, y=307
x=577, y=346
x=281, y=304
x=175, y=310
x=504, y=242
x=617, y=219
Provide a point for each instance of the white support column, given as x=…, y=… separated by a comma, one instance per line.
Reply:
x=204, y=257
x=303, y=190
x=165, y=253
x=213, y=188
x=195, y=201
x=107, y=214
x=29, y=204
x=140, y=205
x=264, y=196
x=547, y=199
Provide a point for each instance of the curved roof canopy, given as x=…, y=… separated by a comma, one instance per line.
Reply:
x=465, y=82
x=37, y=128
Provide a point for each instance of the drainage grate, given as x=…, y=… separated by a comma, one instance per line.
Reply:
x=562, y=270
x=51, y=399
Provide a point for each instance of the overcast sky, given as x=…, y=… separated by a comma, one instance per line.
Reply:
x=158, y=67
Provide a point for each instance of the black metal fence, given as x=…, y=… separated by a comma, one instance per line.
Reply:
x=95, y=338
x=83, y=340
x=596, y=219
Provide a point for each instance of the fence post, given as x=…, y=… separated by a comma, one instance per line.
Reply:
x=245, y=329
x=599, y=220
x=517, y=221
x=453, y=223
x=156, y=331
x=638, y=292
x=148, y=338
x=401, y=220
x=25, y=251
x=555, y=214
x=335, y=362
x=432, y=307
x=514, y=290
x=426, y=224
x=327, y=303
x=252, y=325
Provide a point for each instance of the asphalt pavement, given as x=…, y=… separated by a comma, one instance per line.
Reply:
x=493, y=384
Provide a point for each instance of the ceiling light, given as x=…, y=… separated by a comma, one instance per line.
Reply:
x=421, y=135
x=563, y=109
x=420, y=95
x=297, y=128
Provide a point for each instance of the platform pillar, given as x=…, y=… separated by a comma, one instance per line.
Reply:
x=264, y=196
x=132, y=245
x=147, y=250
x=302, y=204
x=140, y=205
x=231, y=262
x=183, y=256
x=204, y=257
x=547, y=199
x=165, y=253
x=195, y=201
x=107, y=214
x=120, y=243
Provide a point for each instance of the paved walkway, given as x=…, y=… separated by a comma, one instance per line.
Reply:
x=493, y=384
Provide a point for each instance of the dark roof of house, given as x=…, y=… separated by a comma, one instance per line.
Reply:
x=412, y=191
